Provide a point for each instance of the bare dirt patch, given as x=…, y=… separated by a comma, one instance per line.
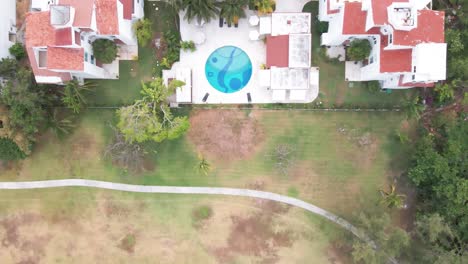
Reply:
x=225, y=135
x=256, y=235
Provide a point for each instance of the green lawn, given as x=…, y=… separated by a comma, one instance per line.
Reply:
x=127, y=88
x=334, y=90
x=329, y=166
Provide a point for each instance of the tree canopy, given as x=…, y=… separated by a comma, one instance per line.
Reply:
x=105, y=50
x=359, y=49
x=439, y=171
x=150, y=118
x=232, y=10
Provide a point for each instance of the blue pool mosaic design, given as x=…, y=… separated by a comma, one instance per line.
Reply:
x=228, y=69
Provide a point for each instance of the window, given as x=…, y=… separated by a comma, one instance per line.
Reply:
x=86, y=56
x=92, y=59
x=371, y=60
x=414, y=68
x=390, y=38
x=413, y=77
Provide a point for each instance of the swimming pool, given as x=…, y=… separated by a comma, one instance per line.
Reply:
x=228, y=69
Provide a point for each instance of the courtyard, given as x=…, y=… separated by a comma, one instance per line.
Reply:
x=260, y=85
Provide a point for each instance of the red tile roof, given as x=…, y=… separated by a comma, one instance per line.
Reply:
x=354, y=20
x=414, y=84
x=63, y=37
x=65, y=58
x=127, y=8
x=278, y=51
x=39, y=33
x=430, y=28
x=106, y=17
x=394, y=60
x=83, y=11
x=379, y=10
x=65, y=76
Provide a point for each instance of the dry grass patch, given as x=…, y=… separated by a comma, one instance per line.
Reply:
x=226, y=135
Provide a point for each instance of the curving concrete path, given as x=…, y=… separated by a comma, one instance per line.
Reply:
x=185, y=190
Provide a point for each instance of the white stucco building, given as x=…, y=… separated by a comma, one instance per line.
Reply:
x=407, y=39
x=59, y=34
x=7, y=27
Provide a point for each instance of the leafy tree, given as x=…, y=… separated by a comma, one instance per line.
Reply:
x=143, y=31
x=390, y=242
x=18, y=51
x=203, y=167
x=8, y=67
x=73, y=97
x=232, y=10
x=201, y=10
x=438, y=170
x=9, y=150
x=25, y=102
x=392, y=199
x=373, y=86
x=359, y=50
x=150, y=118
x=105, y=50
x=445, y=92
x=454, y=40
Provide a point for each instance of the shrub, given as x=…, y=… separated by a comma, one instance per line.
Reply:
x=188, y=45
x=359, y=50
x=200, y=214
x=105, y=50
x=173, y=44
x=8, y=67
x=143, y=31
x=321, y=26
x=9, y=150
x=373, y=86
x=18, y=51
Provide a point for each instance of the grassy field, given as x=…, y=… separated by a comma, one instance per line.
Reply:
x=334, y=90
x=76, y=225
x=335, y=156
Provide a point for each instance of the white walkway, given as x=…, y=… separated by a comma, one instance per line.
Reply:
x=185, y=190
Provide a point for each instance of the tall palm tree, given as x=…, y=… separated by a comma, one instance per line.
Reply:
x=392, y=199
x=232, y=10
x=202, y=10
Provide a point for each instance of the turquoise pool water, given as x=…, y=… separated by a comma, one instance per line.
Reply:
x=228, y=69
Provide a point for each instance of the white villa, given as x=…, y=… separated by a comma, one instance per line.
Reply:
x=59, y=34
x=7, y=27
x=278, y=46
x=407, y=39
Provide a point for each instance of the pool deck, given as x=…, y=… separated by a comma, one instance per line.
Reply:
x=222, y=36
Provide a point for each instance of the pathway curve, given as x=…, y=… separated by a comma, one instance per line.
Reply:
x=185, y=190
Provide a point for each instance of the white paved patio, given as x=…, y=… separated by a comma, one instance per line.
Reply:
x=217, y=37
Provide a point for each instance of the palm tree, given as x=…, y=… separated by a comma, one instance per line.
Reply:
x=392, y=199
x=60, y=126
x=73, y=95
x=203, y=166
x=232, y=10
x=202, y=10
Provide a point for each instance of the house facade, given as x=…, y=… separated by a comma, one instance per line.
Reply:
x=59, y=34
x=407, y=39
x=7, y=27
